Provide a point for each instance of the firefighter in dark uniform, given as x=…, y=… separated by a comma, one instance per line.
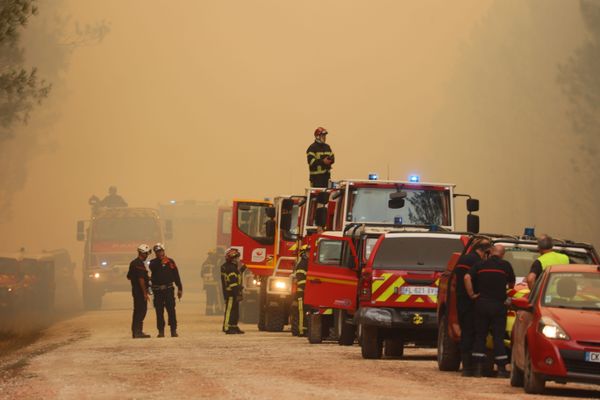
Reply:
x=113, y=199
x=138, y=275
x=210, y=278
x=320, y=158
x=164, y=276
x=486, y=283
x=300, y=271
x=464, y=304
x=231, y=279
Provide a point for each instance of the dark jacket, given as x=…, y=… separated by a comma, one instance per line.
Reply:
x=315, y=154
x=137, y=270
x=164, y=272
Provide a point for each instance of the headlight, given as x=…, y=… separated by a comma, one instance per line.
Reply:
x=104, y=263
x=549, y=328
x=95, y=275
x=255, y=282
x=280, y=285
x=10, y=289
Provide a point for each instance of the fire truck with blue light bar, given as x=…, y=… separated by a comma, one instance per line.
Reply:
x=111, y=238
x=347, y=222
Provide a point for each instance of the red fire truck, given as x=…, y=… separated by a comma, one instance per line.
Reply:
x=111, y=238
x=356, y=215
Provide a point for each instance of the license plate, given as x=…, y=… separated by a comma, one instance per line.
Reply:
x=420, y=290
x=592, y=356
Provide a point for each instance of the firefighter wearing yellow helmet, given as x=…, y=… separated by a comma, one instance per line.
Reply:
x=231, y=278
x=300, y=271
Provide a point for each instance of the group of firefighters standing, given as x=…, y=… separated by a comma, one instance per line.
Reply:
x=482, y=278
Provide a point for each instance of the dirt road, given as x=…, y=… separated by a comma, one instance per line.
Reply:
x=92, y=356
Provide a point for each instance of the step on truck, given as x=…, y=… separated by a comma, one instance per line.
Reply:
x=346, y=221
x=111, y=238
x=521, y=252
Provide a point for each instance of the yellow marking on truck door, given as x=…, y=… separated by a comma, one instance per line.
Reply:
x=389, y=291
x=377, y=284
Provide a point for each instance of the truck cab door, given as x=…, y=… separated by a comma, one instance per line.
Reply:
x=332, y=277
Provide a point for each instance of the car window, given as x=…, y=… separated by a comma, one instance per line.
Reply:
x=579, y=290
x=330, y=252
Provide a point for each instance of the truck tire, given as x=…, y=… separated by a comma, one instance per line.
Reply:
x=346, y=332
x=448, y=352
x=516, y=374
x=274, y=319
x=371, y=344
x=533, y=383
x=315, y=329
x=393, y=348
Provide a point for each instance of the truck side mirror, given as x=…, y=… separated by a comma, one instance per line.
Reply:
x=270, y=228
x=321, y=216
x=168, y=229
x=323, y=198
x=395, y=203
x=80, y=231
x=473, y=223
x=472, y=205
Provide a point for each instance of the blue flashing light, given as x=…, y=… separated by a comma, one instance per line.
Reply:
x=529, y=232
x=414, y=178
x=397, y=220
x=373, y=177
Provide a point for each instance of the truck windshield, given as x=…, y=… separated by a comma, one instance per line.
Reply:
x=522, y=257
x=126, y=229
x=577, y=290
x=422, y=207
x=251, y=220
x=416, y=253
x=8, y=266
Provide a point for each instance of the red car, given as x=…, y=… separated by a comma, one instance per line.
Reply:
x=556, y=336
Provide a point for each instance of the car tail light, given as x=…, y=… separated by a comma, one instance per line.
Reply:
x=365, y=286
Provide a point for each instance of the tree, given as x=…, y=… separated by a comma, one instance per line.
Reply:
x=20, y=88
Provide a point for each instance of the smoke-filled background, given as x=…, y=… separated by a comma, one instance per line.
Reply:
x=212, y=100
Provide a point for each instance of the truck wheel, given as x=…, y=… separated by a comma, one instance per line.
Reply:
x=372, y=344
x=346, y=332
x=448, y=352
x=315, y=329
x=275, y=319
x=516, y=374
x=393, y=348
x=532, y=383
x=92, y=300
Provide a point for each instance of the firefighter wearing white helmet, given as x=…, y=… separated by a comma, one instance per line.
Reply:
x=165, y=276
x=300, y=271
x=138, y=275
x=231, y=279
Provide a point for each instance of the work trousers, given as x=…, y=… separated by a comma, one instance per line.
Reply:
x=165, y=299
x=232, y=313
x=320, y=180
x=212, y=298
x=140, y=307
x=466, y=315
x=490, y=315
x=301, y=314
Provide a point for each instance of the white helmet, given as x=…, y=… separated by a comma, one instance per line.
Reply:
x=158, y=246
x=144, y=248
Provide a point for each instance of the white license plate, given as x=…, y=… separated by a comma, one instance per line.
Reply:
x=592, y=356
x=420, y=290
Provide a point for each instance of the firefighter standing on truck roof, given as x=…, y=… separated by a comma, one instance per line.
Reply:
x=231, y=278
x=164, y=275
x=486, y=283
x=548, y=258
x=320, y=158
x=113, y=199
x=300, y=271
x=138, y=275
x=464, y=304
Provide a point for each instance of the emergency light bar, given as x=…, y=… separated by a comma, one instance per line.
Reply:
x=414, y=178
x=373, y=177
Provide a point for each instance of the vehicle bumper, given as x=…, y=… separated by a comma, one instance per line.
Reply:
x=397, y=318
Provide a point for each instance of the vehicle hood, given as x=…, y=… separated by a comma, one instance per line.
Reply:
x=579, y=324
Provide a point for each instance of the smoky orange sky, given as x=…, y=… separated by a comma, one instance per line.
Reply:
x=211, y=100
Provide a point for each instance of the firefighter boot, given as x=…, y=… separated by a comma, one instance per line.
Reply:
x=238, y=330
x=140, y=335
x=478, y=369
x=467, y=363
x=161, y=333
x=174, y=333
x=502, y=372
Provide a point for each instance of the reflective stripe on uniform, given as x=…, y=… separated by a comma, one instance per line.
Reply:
x=300, y=316
x=228, y=313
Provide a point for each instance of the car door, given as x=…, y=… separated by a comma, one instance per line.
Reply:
x=332, y=278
